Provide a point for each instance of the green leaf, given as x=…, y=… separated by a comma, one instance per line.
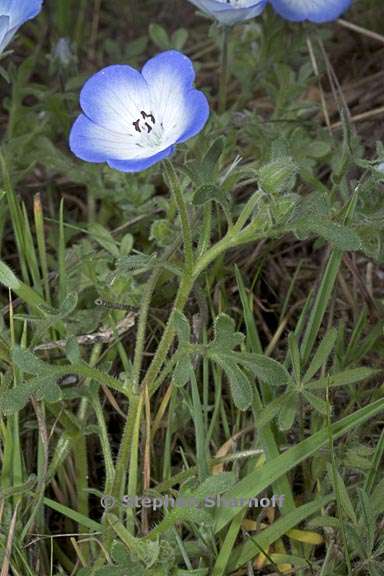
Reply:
x=42, y=387
x=183, y=372
x=26, y=293
x=8, y=278
x=288, y=409
x=246, y=551
x=14, y=400
x=128, y=563
x=103, y=237
x=311, y=207
x=226, y=338
x=46, y=388
x=179, y=38
x=197, y=515
x=207, y=192
x=294, y=353
x=145, y=550
x=345, y=500
x=68, y=305
x=205, y=176
x=28, y=362
x=162, y=232
x=77, y=517
x=126, y=244
x=137, y=262
x=215, y=485
x=318, y=404
x=322, y=353
x=318, y=149
x=159, y=36
x=266, y=369
x=182, y=327
x=72, y=350
x=345, y=378
x=138, y=569
x=197, y=572
x=241, y=389
x=341, y=236
x=269, y=411
x=278, y=176
x=254, y=483
x=210, y=161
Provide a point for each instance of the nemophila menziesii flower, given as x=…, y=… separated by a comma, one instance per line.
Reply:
x=132, y=119
x=312, y=10
x=13, y=13
x=230, y=12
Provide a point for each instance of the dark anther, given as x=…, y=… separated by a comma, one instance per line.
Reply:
x=144, y=116
x=137, y=125
x=150, y=116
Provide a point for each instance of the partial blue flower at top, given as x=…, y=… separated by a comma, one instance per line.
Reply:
x=131, y=120
x=229, y=12
x=13, y=13
x=313, y=10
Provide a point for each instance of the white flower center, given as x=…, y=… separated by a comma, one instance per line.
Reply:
x=149, y=132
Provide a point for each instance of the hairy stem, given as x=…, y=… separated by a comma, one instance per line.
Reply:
x=174, y=185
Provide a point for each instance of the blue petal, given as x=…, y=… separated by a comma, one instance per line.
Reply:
x=5, y=6
x=19, y=11
x=114, y=96
x=172, y=65
x=168, y=75
x=196, y=114
x=140, y=164
x=241, y=14
x=4, y=28
x=94, y=143
x=313, y=10
x=13, y=13
x=228, y=14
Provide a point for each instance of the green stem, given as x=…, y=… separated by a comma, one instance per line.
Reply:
x=141, y=329
x=168, y=334
x=224, y=71
x=135, y=407
x=174, y=185
x=213, y=253
x=205, y=237
x=127, y=446
x=200, y=431
x=134, y=461
x=246, y=212
x=105, y=447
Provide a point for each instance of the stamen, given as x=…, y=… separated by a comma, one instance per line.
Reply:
x=150, y=116
x=141, y=123
x=137, y=125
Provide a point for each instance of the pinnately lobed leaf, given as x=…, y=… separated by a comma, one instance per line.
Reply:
x=226, y=338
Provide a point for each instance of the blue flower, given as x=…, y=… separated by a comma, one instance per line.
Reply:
x=131, y=120
x=312, y=10
x=230, y=12
x=13, y=14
